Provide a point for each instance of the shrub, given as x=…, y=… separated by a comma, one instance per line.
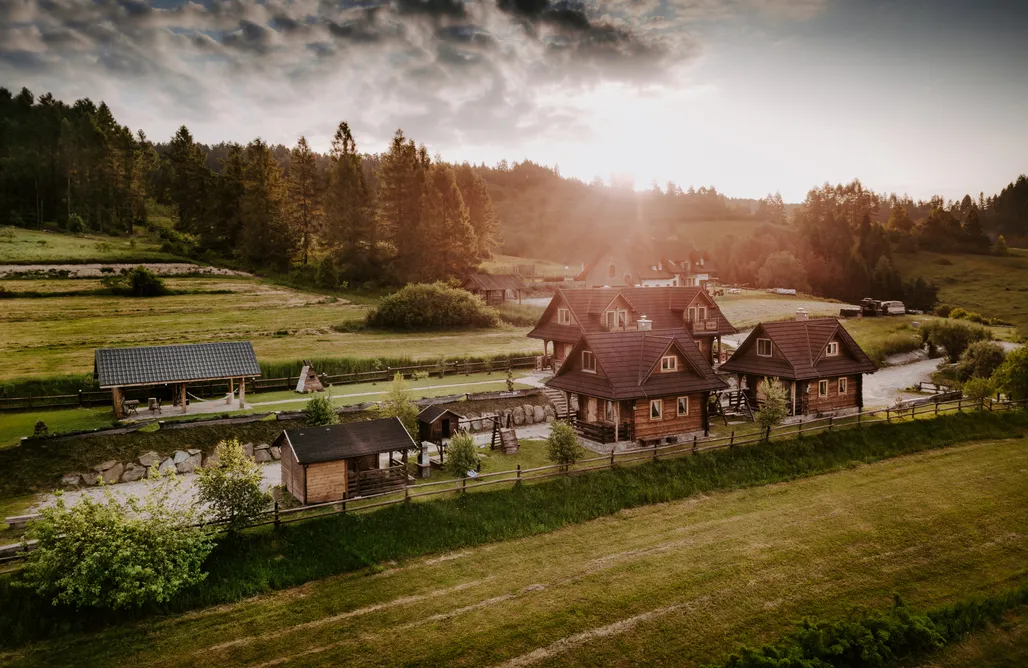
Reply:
x=1001, y=246
x=1012, y=375
x=952, y=336
x=510, y=380
x=40, y=429
x=232, y=490
x=562, y=445
x=461, y=455
x=136, y=282
x=943, y=310
x=432, y=306
x=978, y=388
x=327, y=276
x=115, y=554
x=318, y=412
x=774, y=409
x=896, y=343
x=399, y=403
x=959, y=313
x=981, y=359
x=76, y=224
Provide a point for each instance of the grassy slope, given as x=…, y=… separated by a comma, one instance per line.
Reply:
x=670, y=584
x=23, y=246
x=1004, y=645
x=993, y=286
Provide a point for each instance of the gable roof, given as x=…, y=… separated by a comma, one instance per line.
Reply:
x=801, y=345
x=344, y=441
x=493, y=282
x=665, y=306
x=122, y=367
x=627, y=361
x=433, y=412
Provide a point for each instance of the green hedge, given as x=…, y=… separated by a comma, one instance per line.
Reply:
x=428, y=306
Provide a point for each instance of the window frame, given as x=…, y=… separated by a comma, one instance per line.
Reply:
x=823, y=383
x=678, y=405
x=592, y=358
x=563, y=316
x=770, y=347
x=833, y=349
x=659, y=403
x=670, y=368
x=843, y=385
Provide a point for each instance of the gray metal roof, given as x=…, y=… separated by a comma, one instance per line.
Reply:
x=350, y=439
x=120, y=367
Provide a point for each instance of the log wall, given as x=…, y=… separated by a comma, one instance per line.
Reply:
x=670, y=424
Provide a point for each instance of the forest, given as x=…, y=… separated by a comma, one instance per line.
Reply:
x=401, y=216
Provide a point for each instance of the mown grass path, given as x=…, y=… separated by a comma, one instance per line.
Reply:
x=671, y=584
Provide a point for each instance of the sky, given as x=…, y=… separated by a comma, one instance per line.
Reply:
x=920, y=97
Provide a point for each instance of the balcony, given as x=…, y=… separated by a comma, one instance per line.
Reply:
x=706, y=326
x=603, y=432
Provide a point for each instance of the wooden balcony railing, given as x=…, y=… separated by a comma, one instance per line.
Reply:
x=706, y=326
x=603, y=432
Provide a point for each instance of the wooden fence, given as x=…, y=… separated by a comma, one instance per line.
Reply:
x=693, y=446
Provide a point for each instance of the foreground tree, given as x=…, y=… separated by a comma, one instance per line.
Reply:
x=461, y=455
x=1012, y=375
x=232, y=489
x=318, y=412
x=304, y=205
x=774, y=410
x=399, y=403
x=115, y=554
x=562, y=446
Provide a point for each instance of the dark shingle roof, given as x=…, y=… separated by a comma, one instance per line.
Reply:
x=120, y=367
x=798, y=351
x=493, y=282
x=353, y=439
x=433, y=412
x=627, y=367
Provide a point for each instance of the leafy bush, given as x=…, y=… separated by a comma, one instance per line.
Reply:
x=1001, y=246
x=971, y=316
x=40, y=429
x=115, y=554
x=1012, y=375
x=943, y=310
x=326, y=275
x=136, y=282
x=953, y=336
x=981, y=359
x=399, y=403
x=318, y=412
x=75, y=224
x=562, y=445
x=432, y=306
x=978, y=388
x=894, y=344
x=233, y=489
x=774, y=409
x=461, y=455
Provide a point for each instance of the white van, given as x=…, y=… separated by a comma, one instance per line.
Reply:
x=893, y=308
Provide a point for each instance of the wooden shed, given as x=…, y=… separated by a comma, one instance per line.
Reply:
x=495, y=288
x=436, y=423
x=344, y=461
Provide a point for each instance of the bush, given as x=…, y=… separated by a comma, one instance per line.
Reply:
x=137, y=282
x=40, y=429
x=1012, y=375
x=952, y=336
x=971, y=316
x=774, y=409
x=896, y=343
x=76, y=224
x=318, y=412
x=1001, y=246
x=432, y=306
x=399, y=403
x=562, y=445
x=978, y=388
x=943, y=310
x=461, y=455
x=115, y=554
x=326, y=276
x=981, y=359
x=233, y=489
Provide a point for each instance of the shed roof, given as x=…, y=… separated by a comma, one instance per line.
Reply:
x=121, y=367
x=493, y=282
x=435, y=411
x=313, y=445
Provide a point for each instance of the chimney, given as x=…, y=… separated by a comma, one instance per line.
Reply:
x=801, y=313
x=644, y=324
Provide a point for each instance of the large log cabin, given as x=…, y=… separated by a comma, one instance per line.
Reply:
x=574, y=313
x=820, y=364
x=637, y=385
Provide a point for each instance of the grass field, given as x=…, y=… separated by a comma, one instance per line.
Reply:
x=752, y=306
x=996, y=287
x=503, y=264
x=672, y=584
x=1004, y=645
x=22, y=246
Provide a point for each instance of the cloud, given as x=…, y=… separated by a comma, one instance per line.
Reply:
x=445, y=70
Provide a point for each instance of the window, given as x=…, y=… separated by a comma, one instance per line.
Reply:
x=683, y=406
x=842, y=386
x=656, y=409
x=616, y=318
x=822, y=388
x=612, y=271
x=563, y=316
x=764, y=347
x=608, y=411
x=588, y=361
x=669, y=363
x=833, y=349
x=701, y=312
x=692, y=313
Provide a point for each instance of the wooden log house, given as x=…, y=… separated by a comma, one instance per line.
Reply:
x=495, y=288
x=344, y=461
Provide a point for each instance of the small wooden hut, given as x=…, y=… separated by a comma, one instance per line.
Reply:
x=495, y=288
x=436, y=423
x=309, y=381
x=344, y=461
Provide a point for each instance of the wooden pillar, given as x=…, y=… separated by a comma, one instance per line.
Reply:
x=706, y=413
x=118, y=399
x=793, y=384
x=242, y=392
x=231, y=391
x=617, y=421
x=185, y=405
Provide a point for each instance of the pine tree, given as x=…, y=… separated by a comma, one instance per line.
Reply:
x=484, y=221
x=228, y=199
x=188, y=182
x=401, y=180
x=304, y=198
x=350, y=226
x=266, y=240
x=973, y=233
x=451, y=248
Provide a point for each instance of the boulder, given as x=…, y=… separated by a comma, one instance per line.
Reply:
x=100, y=468
x=190, y=463
x=194, y=451
x=212, y=460
x=550, y=411
x=262, y=446
x=89, y=479
x=71, y=480
x=262, y=455
x=133, y=472
x=167, y=465
x=113, y=474
x=180, y=456
x=519, y=416
x=539, y=414
x=149, y=459
x=276, y=452
x=529, y=412
x=248, y=449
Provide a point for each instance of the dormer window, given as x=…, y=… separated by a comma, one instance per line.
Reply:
x=563, y=316
x=833, y=349
x=764, y=347
x=588, y=361
x=612, y=271
x=668, y=363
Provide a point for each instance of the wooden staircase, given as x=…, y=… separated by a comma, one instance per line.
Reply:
x=735, y=403
x=557, y=398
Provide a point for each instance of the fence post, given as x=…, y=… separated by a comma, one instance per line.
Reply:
x=518, y=481
x=860, y=413
x=694, y=444
x=888, y=415
x=990, y=404
x=611, y=459
x=960, y=405
x=276, y=514
x=831, y=419
x=406, y=492
x=913, y=407
x=80, y=399
x=655, y=443
x=731, y=440
x=936, y=409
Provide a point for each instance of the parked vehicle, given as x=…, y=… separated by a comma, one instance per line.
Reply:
x=893, y=308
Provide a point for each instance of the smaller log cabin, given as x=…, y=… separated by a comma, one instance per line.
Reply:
x=495, y=288
x=435, y=424
x=343, y=461
x=820, y=364
x=638, y=386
